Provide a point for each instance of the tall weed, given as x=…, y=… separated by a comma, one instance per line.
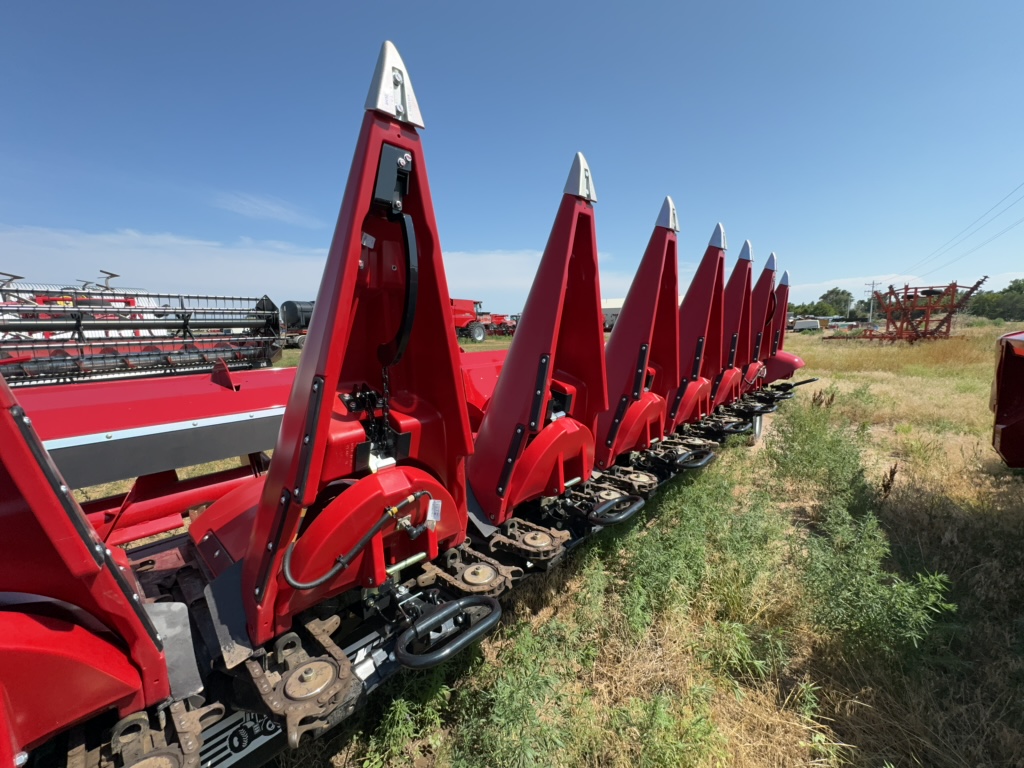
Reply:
x=853, y=600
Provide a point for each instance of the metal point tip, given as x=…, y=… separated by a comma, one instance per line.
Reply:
x=668, y=218
x=772, y=264
x=391, y=89
x=718, y=237
x=745, y=252
x=785, y=278
x=581, y=182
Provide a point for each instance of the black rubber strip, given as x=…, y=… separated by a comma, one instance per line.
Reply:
x=510, y=459
x=539, y=390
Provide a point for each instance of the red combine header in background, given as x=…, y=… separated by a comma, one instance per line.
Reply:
x=52, y=334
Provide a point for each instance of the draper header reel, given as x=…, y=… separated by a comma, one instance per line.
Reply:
x=51, y=334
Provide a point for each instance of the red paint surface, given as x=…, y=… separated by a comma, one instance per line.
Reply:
x=562, y=321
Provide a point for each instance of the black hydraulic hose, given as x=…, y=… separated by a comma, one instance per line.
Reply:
x=343, y=561
x=390, y=353
x=422, y=626
x=785, y=386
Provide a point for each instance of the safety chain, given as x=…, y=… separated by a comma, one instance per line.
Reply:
x=385, y=409
x=385, y=412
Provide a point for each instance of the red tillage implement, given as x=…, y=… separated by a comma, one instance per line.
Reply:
x=915, y=313
x=410, y=484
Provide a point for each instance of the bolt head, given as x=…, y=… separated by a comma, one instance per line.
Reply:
x=397, y=78
x=399, y=109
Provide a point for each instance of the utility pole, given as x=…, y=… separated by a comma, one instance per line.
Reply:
x=871, y=305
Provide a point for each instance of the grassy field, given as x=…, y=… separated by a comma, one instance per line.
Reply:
x=802, y=603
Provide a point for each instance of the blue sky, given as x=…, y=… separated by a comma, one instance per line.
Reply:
x=205, y=147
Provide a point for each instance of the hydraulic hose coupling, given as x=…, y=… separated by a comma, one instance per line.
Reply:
x=412, y=497
x=405, y=523
x=343, y=561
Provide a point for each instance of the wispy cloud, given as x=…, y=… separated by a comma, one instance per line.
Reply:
x=283, y=270
x=268, y=208
x=163, y=261
x=502, y=279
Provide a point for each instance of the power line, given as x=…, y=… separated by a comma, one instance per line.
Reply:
x=968, y=252
x=980, y=226
x=943, y=248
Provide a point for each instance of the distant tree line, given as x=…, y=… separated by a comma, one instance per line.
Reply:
x=1007, y=304
x=834, y=301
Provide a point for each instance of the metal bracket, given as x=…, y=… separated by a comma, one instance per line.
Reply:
x=539, y=390
x=613, y=431
x=510, y=459
x=641, y=368
x=732, y=350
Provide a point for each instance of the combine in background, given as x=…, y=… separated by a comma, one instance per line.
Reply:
x=472, y=323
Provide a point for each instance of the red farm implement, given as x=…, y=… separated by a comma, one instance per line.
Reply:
x=50, y=334
x=472, y=323
x=917, y=313
x=411, y=484
x=1008, y=400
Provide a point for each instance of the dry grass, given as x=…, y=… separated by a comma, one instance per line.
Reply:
x=954, y=509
